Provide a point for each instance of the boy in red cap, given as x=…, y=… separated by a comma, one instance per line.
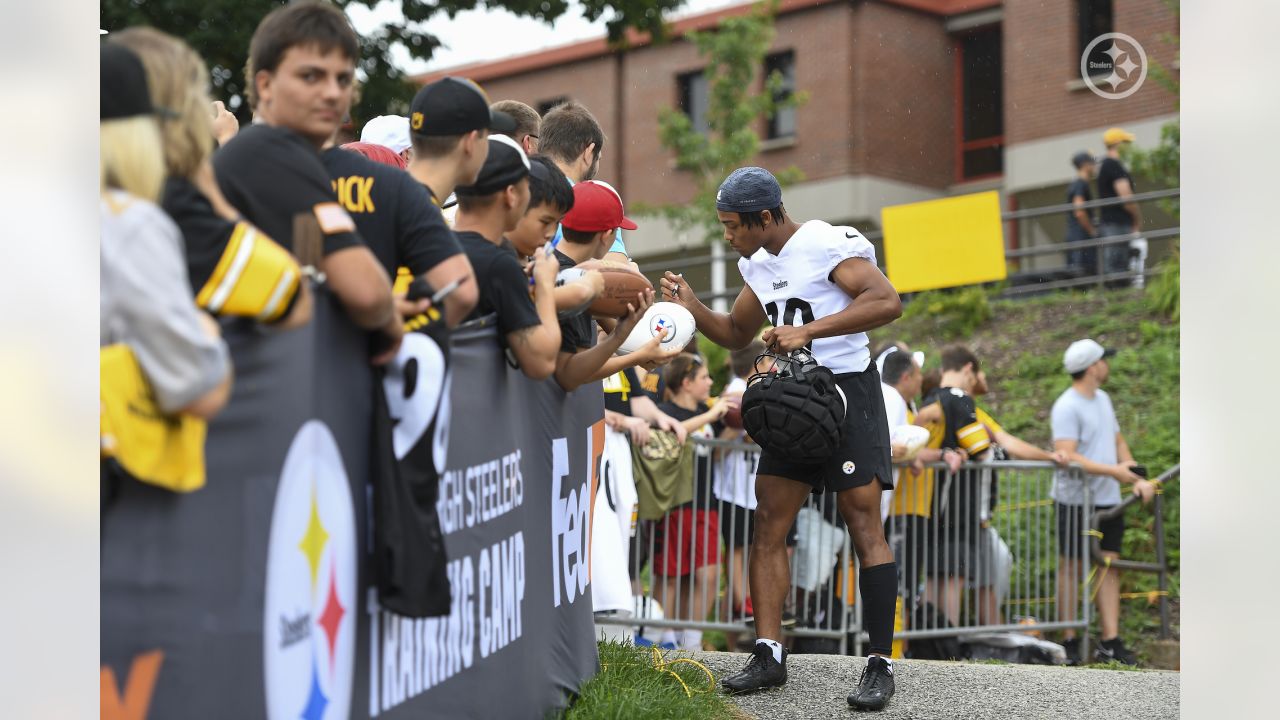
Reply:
x=589, y=229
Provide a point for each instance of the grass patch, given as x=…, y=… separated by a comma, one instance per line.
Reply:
x=630, y=687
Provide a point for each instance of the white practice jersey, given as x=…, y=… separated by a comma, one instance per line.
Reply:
x=795, y=287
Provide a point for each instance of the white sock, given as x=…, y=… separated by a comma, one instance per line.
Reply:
x=668, y=636
x=773, y=645
x=888, y=661
x=690, y=639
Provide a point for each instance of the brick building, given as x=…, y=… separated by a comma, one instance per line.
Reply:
x=908, y=100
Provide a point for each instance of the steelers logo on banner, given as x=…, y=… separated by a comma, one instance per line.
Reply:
x=309, y=617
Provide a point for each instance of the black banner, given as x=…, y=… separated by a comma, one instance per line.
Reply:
x=252, y=598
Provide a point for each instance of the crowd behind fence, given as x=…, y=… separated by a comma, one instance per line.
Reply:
x=981, y=559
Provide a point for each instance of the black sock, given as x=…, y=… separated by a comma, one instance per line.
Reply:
x=879, y=586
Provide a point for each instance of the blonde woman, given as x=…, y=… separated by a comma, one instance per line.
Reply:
x=145, y=299
x=268, y=286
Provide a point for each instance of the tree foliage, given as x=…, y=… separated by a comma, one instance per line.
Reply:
x=220, y=31
x=734, y=53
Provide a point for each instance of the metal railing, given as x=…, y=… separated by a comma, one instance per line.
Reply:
x=1099, y=277
x=1161, y=566
x=978, y=552
x=690, y=566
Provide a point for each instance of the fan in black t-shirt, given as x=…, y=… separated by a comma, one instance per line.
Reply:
x=399, y=222
x=504, y=288
x=393, y=212
x=274, y=176
x=577, y=332
x=1080, y=222
x=488, y=208
x=271, y=174
x=1109, y=173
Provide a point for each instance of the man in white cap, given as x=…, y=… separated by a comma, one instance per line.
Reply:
x=1085, y=429
x=389, y=131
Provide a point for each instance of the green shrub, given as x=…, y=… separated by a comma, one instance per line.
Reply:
x=951, y=313
x=1164, y=292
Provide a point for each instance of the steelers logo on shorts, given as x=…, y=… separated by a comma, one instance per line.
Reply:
x=848, y=467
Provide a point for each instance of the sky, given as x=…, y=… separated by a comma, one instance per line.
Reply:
x=482, y=34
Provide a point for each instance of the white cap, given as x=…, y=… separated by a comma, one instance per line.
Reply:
x=389, y=131
x=1083, y=353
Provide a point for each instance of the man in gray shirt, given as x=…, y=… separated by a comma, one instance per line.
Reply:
x=1085, y=429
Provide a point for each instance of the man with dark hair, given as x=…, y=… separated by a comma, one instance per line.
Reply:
x=528, y=124
x=487, y=208
x=572, y=137
x=301, y=68
x=823, y=294
x=951, y=410
x=450, y=121
x=550, y=197
x=1085, y=429
x=1080, y=223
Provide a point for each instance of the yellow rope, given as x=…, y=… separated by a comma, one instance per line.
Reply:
x=1024, y=506
x=663, y=666
x=1106, y=565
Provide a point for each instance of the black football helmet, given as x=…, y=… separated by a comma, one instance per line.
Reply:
x=795, y=409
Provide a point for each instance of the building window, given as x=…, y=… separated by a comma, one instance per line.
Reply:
x=694, y=98
x=981, y=99
x=1093, y=18
x=782, y=124
x=546, y=106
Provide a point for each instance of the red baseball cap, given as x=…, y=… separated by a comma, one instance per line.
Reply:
x=596, y=208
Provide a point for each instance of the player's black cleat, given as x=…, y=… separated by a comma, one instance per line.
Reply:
x=1113, y=650
x=761, y=672
x=876, y=686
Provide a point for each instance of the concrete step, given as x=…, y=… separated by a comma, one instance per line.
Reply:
x=817, y=686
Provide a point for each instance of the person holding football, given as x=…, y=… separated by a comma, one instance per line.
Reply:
x=820, y=288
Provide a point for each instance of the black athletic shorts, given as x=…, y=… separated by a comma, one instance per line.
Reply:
x=1073, y=524
x=864, y=452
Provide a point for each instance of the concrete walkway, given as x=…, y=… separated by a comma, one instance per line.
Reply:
x=817, y=686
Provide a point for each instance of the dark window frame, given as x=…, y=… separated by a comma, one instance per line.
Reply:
x=963, y=144
x=785, y=62
x=685, y=90
x=1093, y=18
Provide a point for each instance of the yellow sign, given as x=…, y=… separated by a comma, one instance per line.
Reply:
x=944, y=243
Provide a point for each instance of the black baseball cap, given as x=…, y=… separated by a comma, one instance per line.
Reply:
x=1080, y=158
x=455, y=106
x=124, y=84
x=506, y=165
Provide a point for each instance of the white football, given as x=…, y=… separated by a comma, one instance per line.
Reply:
x=664, y=317
x=913, y=437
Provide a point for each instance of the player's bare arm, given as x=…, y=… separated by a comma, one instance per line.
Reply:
x=874, y=303
x=732, y=330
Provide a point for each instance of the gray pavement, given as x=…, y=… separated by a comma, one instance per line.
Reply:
x=817, y=686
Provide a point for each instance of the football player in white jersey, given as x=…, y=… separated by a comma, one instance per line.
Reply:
x=818, y=285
